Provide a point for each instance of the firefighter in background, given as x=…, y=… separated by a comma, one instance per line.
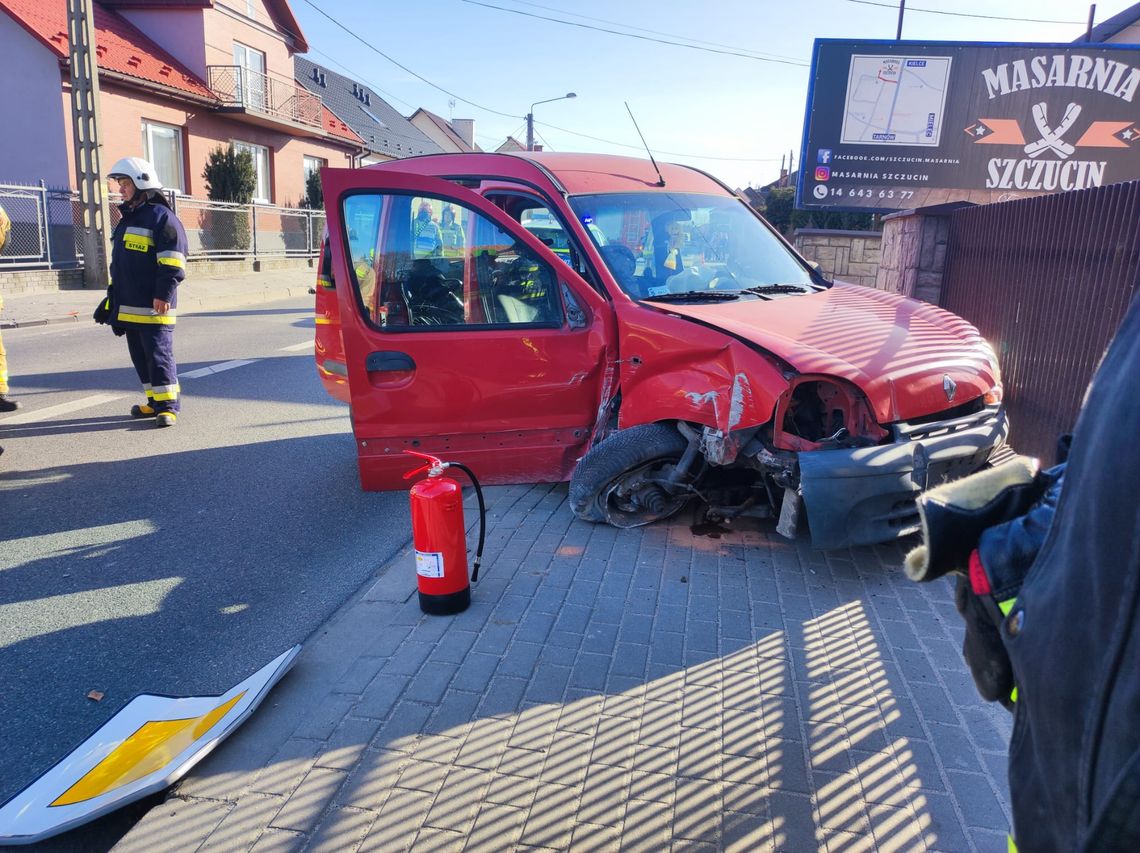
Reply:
x=426, y=240
x=6, y=404
x=451, y=233
x=148, y=260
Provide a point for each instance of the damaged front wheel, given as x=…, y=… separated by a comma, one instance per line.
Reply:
x=629, y=479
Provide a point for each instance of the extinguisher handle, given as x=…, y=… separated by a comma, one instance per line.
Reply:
x=432, y=462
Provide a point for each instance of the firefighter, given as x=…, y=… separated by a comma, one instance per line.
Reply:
x=426, y=240
x=451, y=233
x=1049, y=589
x=148, y=260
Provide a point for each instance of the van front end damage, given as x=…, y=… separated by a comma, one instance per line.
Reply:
x=865, y=495
x=831, y=466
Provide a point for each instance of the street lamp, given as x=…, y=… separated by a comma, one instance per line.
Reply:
x=530, y=118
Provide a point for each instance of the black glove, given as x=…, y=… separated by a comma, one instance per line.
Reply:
x=1006, y=551
x=119, y=331
x=954, y=515
x=995, y=574
x=103, y=309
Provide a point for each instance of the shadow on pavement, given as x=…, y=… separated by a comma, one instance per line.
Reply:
x=637, y=688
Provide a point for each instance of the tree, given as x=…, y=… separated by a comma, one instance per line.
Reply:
x=314, y=195
x=231, y=177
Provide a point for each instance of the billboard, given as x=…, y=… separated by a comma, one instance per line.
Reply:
x=893, y=125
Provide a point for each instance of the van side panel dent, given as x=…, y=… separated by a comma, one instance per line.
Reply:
x=672, y=369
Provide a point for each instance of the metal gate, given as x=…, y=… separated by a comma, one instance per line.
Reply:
x=1047, y=281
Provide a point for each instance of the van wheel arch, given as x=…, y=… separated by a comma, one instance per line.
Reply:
x=612, y=482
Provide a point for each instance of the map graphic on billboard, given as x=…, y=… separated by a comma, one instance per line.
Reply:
x=892, y=125
x=895, y=100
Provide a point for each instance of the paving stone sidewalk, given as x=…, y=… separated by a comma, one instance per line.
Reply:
x=647, y=689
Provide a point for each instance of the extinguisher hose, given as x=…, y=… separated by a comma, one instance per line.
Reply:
x=482, y=517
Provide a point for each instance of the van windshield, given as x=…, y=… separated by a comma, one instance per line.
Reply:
x=659, y=243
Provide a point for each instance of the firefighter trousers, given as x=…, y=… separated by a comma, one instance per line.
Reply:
x=152, y=352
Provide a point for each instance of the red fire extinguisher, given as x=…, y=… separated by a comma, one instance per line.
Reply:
x=440, y=537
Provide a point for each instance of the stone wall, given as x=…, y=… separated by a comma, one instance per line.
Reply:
x=13, y=282
x=846, y=255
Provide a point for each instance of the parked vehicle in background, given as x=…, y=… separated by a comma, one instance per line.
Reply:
x=668, y=345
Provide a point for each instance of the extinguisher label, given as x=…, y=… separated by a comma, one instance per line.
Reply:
x=429, y=564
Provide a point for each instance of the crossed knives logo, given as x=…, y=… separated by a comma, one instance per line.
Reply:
x=1100, y=134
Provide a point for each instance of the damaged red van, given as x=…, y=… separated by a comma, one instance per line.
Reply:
x=643, y=334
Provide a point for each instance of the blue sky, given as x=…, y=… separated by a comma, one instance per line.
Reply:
x=730, y=114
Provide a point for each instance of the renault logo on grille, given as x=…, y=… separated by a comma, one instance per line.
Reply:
x=949, y=386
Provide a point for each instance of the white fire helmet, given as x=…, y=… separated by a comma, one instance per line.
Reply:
x=141, y=173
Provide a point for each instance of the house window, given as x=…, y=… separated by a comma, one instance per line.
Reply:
x=260, y=156
x=314, y=164
x=250, y=83
x=162, y=146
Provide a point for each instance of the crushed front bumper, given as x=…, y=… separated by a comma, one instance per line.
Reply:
x=863, y=496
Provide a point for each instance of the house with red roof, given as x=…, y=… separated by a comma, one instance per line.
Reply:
x=177, y=79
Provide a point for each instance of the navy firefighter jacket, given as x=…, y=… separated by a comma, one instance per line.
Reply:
x=148, y=259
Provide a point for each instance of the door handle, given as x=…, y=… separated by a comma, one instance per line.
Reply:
x=388, y=360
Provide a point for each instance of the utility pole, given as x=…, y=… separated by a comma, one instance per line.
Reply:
x=530, y=131
x=902, y=9
x=85, y=126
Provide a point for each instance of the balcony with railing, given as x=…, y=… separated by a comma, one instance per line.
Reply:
x=263, y=99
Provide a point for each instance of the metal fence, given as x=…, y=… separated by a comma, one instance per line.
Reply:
x=47, y=228
x=1047, y=281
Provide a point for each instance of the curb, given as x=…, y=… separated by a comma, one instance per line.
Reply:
x=46, y=321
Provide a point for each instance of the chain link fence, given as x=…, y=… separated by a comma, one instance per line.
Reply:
x=47, y=228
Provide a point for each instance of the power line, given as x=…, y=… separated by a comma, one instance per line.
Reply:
x=965, y=14
x=403, y=67
x=756, y=53
x=634, y=35
x=548, y=146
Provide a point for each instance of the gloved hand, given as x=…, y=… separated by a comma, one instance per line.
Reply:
x=954, y=515
x=985, y=596
x=103, y=309
x=1006, y=551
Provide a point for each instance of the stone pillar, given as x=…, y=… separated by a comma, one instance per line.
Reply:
x=913, y=255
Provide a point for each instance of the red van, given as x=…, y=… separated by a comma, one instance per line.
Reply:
x=668, y=345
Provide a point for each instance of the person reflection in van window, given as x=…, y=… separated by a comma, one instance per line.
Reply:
x=451, y=233
x=426, y=239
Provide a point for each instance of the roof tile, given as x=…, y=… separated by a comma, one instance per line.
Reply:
x=119, y=45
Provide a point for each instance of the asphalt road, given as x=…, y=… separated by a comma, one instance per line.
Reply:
x=172, y=561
